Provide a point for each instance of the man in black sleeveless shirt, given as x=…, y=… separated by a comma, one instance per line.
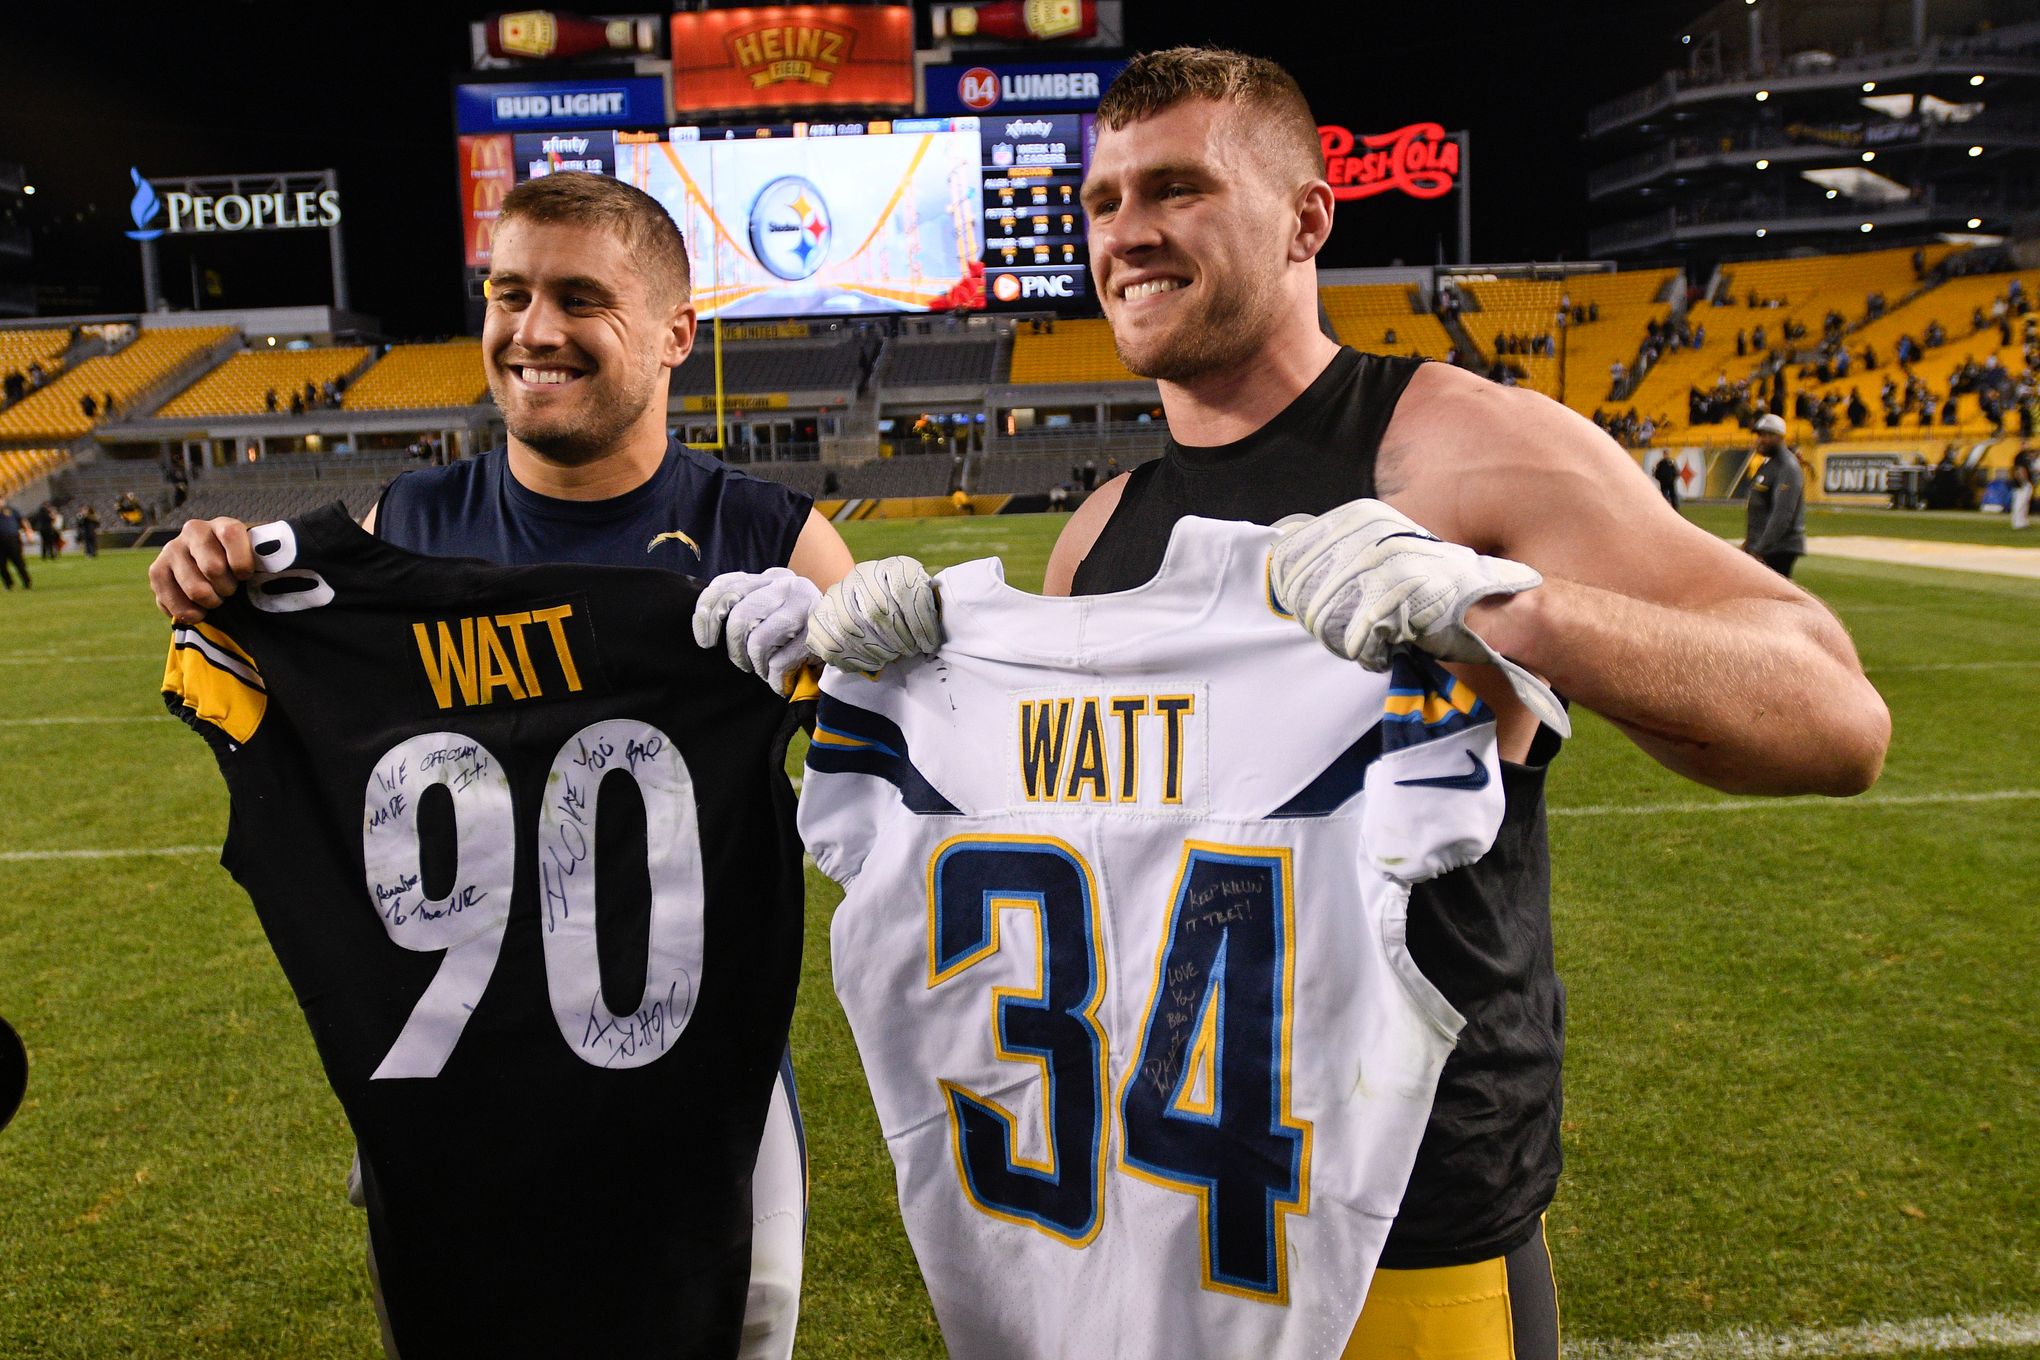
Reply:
x=589, y=313
x=1208, y=205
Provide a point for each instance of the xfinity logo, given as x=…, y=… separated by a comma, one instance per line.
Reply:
x=537, y=108
x=1025, y=129
x=563, y=146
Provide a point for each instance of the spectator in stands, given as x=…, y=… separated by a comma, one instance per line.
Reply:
x=14, y=385
x=88, y=531
x=88, y=406
x=1742, y=344
x=12, y=529
x=311, y=394
x=1927, y=408
x=128, y=508
x=1593, y=311
x=2022, y=488
x=297, y=403
x=1948, y=411
x=1059, y=496
x=1859, y=414
x=1776, y=525
x=1618, y=374
x=1388, y=337
x=269, y=402
x=106, y=405
x=36, y=376
x=1111, y=467
x=1090, y=474
x=180, y=481
x=1937, y=334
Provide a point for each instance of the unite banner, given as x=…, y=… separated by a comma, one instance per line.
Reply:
x=805, y=56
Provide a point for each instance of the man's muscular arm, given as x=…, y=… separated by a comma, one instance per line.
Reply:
x=1717, y=667
x=1074, y=543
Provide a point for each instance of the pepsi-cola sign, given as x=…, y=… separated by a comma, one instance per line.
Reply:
x=1418, y=160
x=1070, y=85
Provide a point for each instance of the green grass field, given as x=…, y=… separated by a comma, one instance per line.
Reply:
x=1803, y=1071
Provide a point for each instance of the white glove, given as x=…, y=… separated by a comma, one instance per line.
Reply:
x=881, y=612
x=1364, y=578
x=762, y=619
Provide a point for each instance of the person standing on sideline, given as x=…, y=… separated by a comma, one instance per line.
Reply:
x=12, y=527
x=88, y=531
x=1776, y=535
x=1667, y=474
x=2022, y=488
x=1527, y=533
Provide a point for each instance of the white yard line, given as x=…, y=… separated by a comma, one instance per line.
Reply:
x=1957, y=666
x=1922, y=552
x=44, y=658
x=1797, y=804
x=1951, y=1332
x=126, y=852
x=81, y=721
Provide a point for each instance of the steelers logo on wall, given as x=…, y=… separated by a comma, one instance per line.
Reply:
x=790, y=228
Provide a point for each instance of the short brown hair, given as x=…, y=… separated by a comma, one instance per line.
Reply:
x=1154, y=81
x=639, y=221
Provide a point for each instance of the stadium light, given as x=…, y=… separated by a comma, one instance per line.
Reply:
x=1763, y=231
x=1833, y=193
x=1685, y=37
x=1762, y=95
x=1763, y=165
x=1975, y=222
x=1976, y=80
x=272, y=342
x=1868, y=86
x=1976, y=151
x=1869, y=155
x=1866, y=226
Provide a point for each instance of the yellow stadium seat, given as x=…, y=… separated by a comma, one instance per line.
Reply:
x=421, y=377
x=241, y=385
x=56, y=411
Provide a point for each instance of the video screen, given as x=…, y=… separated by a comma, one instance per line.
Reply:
x=1036, y=255
x=827, y=221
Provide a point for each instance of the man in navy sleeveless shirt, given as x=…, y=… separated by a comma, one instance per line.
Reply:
x=1482, y=523
x=589, y=312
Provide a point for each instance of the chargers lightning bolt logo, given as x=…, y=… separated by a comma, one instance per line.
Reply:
x=673, y=534
x=144, y=207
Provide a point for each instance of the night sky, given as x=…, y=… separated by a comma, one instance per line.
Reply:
x=217, y=87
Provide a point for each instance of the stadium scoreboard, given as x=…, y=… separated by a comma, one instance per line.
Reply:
x=821, y=219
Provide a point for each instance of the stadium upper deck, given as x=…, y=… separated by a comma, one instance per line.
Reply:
x=1807, y=126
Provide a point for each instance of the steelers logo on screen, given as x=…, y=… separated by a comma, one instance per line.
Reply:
x=790, y=229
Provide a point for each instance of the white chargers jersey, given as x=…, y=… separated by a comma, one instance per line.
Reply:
x=1123, y=952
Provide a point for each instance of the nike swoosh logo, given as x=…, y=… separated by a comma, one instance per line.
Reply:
x=1475, y=778
x=676, y=535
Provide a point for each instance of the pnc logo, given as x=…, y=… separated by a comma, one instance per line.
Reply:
x=144, y=207
x=1006, y=287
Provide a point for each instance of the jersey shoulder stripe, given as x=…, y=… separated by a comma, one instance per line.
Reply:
x=212, y=684
x=853, y=740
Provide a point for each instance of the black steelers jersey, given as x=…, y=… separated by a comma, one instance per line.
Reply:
x=527, y=856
